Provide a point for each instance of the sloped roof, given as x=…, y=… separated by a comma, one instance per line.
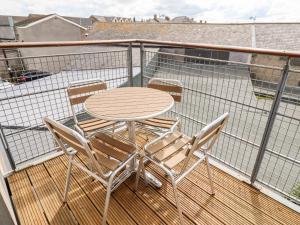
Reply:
x=30, y=20
x=182, y=19
x=104, y=18
x=17, y=19
x=284, y=36
x=239, y=35
x=4, y=21
x=7, y=33
x=33, y=20
x=109, y=18
x=83, y=21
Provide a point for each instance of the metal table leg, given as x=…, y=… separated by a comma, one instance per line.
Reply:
x=150, y=178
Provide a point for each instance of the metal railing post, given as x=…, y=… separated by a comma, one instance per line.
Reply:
x=142, y=63
x=270, y=122
x=129, y=65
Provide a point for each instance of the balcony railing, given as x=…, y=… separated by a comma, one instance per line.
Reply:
x=262, y=94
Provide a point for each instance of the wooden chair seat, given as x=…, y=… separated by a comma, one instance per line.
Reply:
x=78, y=92
x=109, y=151
x=161, y=122
x=94, y=124
x=170, y=150
x=175, y=89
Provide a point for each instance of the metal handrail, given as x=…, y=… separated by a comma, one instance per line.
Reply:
x=8, y=45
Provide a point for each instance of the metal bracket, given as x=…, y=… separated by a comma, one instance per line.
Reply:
x=6, y=148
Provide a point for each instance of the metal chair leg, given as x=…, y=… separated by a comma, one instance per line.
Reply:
x=209, y=175
x=177, y=201
x=138, y=173
x=144, y=174
x=179, y=127
x=137, y=178
x=65, y=199
x=106, y=205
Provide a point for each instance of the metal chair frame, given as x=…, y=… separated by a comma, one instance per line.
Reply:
x=110, y=180
x=168, y=82
x=195, y=149
x=82, y=83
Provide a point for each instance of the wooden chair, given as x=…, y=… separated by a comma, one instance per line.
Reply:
x=173, y=151
x=78, y=92
x=175, y=88
x=109, y=155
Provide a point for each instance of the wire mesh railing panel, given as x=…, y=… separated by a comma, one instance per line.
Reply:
x=280, y=166
x=37, y=88
x=212, y=87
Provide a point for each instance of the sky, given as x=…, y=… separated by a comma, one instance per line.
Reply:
x=209, y=10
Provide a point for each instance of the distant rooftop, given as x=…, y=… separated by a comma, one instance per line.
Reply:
x=284, y=36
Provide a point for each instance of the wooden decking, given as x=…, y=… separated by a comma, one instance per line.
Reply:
x=36, y=194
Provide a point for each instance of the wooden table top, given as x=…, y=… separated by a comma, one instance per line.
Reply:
x=129, y=104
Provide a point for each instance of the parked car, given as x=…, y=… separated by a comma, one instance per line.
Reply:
x=31, y=75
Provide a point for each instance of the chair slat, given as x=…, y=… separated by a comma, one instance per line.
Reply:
x=116, y=143
x=207, y=137
x=163, y=143
x=86, y=89
x=169, y=88
x=165, y=118
x=157, y=120
x=155, y=124
x=93, y=123
x=176, y=159
x=63, y=134
x=78, y=100
x=108, y=150
x=73, y=144
x=87, y=121
x=102, y=125
x=106, y=162
x=171, y=149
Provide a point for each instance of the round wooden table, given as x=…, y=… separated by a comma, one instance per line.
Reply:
x=129, y=104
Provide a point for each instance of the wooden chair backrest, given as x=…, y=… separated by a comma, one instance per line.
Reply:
x=79, y=91
x=174, y=87
x=206, y=137
x=66, y=136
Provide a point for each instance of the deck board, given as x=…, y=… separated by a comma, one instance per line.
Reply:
x=25, y=201
x=238, y=205
x=83, y=209
x=208, y=205
x=96, y=194
x=36, y=194
x=258, y=200
x=56, y=213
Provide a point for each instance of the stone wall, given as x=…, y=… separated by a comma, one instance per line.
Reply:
x=273, y=75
